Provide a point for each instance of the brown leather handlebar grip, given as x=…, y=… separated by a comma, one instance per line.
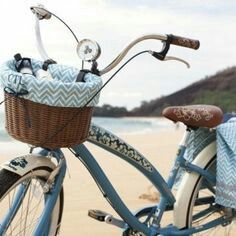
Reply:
x=184, y=42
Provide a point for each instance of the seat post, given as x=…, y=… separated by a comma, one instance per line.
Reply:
x=186, y=136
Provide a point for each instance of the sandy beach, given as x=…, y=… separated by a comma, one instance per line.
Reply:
x=81, y=192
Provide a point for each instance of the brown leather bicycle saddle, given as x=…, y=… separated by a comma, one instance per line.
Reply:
x=195, y=115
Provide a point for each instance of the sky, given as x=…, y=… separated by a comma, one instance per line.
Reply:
x=113, y=24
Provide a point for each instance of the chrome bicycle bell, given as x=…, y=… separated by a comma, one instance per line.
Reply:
x=88, y=50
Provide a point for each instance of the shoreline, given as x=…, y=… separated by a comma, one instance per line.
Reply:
x=134, y=125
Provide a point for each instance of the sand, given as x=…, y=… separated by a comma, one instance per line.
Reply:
x=82, y=194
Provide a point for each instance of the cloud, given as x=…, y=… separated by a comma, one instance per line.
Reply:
x=115, y=23
x=194, y=6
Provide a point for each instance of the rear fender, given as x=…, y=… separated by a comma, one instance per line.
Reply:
x=188, y=183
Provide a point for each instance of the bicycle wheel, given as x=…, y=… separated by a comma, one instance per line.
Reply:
x=27, y=192
x=202, y=207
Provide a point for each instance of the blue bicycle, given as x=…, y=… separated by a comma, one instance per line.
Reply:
x=31, y=189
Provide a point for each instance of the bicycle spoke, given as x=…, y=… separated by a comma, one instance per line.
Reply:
x=19, y=233
x=21, y=215
x=203, y=209
x=13, y=197
x=26, y=212
x=37, y=208
x=18, y=223
x=11, y=204
x=204, y=214
x=20, y=201
x=23, y=202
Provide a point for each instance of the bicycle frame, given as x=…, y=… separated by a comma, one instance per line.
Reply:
x=115, y=145
x=112, y=143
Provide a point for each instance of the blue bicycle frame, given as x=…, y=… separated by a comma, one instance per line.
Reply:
x=115, y=145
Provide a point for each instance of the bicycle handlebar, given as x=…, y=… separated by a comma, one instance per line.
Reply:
x=124, y=52
x=173, y=39
x=42, y=13
x=184, y=42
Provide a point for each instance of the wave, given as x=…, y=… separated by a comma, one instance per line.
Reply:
x=133, y=125
x=119, y=126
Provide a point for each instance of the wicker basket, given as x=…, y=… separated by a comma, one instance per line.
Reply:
x=46, y=126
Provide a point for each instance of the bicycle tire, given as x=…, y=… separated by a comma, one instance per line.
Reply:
x=200, y=191
x=32, y=203
x=216, y=212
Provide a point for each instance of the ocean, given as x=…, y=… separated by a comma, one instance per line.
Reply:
x=133, y=125
x=119, y=126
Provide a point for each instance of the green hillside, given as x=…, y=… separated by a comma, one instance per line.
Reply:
x=218, y=89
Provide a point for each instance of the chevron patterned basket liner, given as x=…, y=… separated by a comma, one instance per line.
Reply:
x=52, y=114
x=62, y=91
x=226, y=164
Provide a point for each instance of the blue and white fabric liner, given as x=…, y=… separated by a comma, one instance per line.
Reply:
x=226, y=164
x=62, y=91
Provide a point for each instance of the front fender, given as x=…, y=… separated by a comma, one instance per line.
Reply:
x=24, y=164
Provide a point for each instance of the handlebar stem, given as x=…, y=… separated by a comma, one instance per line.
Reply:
x=39, y=42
